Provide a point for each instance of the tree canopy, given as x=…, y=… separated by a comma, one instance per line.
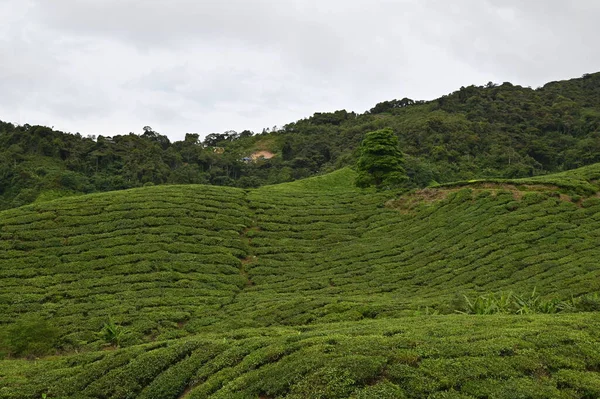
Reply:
x=380, y=163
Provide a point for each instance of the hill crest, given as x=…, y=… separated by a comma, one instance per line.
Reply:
x=477, y=132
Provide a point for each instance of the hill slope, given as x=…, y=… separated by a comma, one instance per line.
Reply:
x=502, y=131
x=239, y=292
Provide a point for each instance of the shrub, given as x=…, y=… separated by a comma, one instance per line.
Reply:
x=29, y=336
x=585, y=303
x=383, y=390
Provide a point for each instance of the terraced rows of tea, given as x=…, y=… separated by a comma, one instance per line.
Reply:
x=307, y=289
x=455, y=356
x=328, y=255
x=151, y=257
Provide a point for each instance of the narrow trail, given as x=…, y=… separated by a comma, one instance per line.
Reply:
x=246, y=237
x=250, y=259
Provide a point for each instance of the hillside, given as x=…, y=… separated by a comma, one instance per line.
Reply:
x=306, y=289
x=491, y=131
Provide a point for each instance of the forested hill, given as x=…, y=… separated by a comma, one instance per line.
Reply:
x=487, y=131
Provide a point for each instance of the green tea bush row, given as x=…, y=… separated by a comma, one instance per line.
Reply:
x=437, y=356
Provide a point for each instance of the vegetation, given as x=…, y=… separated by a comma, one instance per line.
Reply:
x=309, y=289
x=380, y=161
x=491, y=131
x=476, y=278
x=29, y=337
x=510, y=303
x=455, y=356
x=112, y=333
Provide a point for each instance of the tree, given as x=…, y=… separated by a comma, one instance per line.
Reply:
x=388, y=106
x=380, y=163
x=151, y=135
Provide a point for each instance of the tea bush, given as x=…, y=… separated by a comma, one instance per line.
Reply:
x=309, y=289
x=29, y=336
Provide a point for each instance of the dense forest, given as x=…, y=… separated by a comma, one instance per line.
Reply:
x=502, y=131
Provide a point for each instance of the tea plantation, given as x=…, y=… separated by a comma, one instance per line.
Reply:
x=310, y=289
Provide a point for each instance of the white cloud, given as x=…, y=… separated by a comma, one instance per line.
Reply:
x=113, y=66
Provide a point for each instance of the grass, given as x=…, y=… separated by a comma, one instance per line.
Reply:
x=308, y=289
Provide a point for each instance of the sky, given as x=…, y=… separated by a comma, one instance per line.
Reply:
x=114, y=66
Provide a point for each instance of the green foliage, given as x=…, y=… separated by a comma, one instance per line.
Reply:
x=510, y=303
x=454, y=356
x=112, y=333
x=170, y=261
x=381, y=390
x=583, y=303
x=492, y=131
x=313, y=288
x=380, y=161
x=30, y=336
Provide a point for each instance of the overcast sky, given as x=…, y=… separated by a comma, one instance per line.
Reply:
x=113, y=66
